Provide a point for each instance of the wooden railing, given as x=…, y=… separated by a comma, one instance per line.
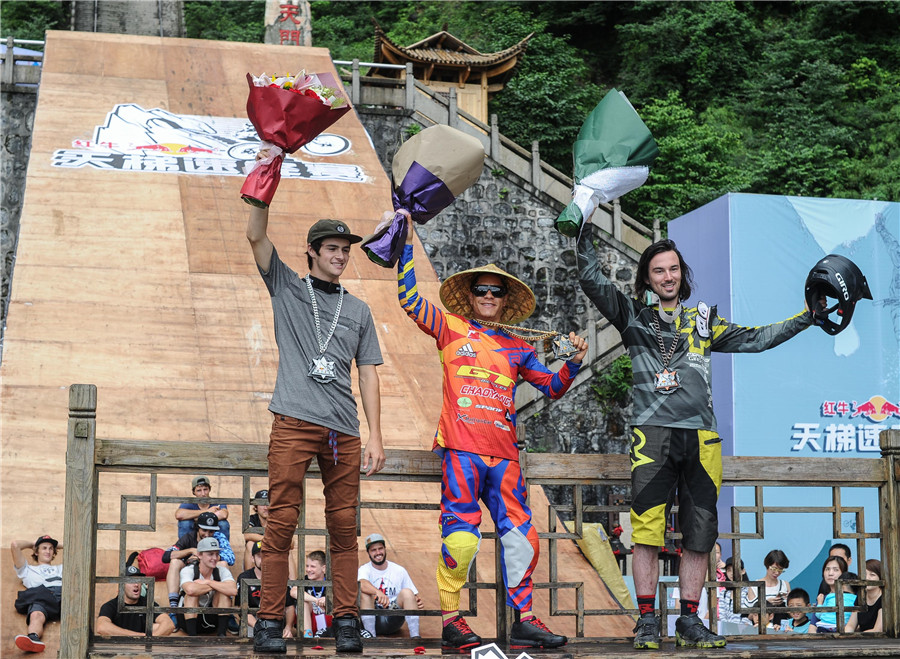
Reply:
x=88, y=456
x=430, y=107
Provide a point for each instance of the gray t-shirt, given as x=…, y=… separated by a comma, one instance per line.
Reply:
x=296, y=394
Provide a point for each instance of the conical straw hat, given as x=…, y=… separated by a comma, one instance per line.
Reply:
x=520, y=299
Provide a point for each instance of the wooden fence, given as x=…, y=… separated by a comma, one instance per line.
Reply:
x=87, y=456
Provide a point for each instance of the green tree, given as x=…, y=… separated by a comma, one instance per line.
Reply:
x=699, y=160
x=31, y=19
x=225, y=20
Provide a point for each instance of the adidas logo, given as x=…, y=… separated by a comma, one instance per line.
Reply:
x=466, y=351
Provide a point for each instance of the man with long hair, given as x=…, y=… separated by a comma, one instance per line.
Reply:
x=675, y=448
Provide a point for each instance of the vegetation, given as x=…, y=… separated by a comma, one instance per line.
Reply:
x=612, y=387
x=799, y=98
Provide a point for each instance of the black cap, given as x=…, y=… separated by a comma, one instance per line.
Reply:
x=133, y=571
x=262, y=494
x=331, y=229
x=46, y=538
x=257, y=547
x=208, y=521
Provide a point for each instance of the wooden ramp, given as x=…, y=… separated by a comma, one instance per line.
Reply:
x=133, y=273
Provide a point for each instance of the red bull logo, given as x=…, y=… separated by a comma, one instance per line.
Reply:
x=876, y=409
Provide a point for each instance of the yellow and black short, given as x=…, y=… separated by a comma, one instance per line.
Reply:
x=666, y=461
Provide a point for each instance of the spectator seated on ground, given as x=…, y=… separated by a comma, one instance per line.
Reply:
x=206, y=584
x=799, y=622
x=316, y=621
x=184, y=551
x=253, y=592
x=386, y=585
x=112, y=622
x=869, y=620
x=837, y=549
x=40, y=601
x=832, y=571
x=189, y=511
x=258, y=519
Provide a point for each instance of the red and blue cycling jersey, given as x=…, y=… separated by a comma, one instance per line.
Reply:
x=481, y=367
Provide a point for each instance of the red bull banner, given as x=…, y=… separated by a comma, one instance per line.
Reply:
x=816, y=395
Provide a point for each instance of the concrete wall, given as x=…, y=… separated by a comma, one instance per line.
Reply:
x=152, y=18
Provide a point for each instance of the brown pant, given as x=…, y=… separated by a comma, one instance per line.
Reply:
x=292, y=446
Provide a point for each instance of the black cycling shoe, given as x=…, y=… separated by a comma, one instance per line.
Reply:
x=690, y=632
x=534, y=634
x=346, y=634
x=646, y=633
x=267, y=636
x=458, y=635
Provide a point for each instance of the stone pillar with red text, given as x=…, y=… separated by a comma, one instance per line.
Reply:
x=288, y=23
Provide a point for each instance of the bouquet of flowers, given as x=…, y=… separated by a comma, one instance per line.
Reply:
x=428, y=172
x=287, y=112
x=613, y=154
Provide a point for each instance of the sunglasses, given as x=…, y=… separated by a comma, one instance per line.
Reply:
x=777, y=569
x=480, y=290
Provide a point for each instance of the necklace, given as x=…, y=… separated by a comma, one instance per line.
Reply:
x=562, y=346
x=321, y=369
x=666, y=381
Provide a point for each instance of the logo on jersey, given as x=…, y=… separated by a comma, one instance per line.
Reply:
x=488, y=408
x=485, y=375
x=501, y=425
x=463, y=401
x=485, y=392
x=466, y=351
x=472, y=335
x=465, y=418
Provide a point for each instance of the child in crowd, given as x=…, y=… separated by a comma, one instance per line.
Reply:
x=799, y=622
x=315, y=620
x=726, y=600
x=832, y=570
x=870, y=619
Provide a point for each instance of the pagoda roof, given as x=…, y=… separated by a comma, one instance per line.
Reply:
x=444, y=51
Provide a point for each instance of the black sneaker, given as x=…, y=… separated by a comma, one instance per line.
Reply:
x=534, y=634
x=690, y=632
x=457, y=635
x=233, y=625
x=346, y=634
x=267, y=636
x=646, y=633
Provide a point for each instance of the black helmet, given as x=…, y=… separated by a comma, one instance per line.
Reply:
x=839, y=278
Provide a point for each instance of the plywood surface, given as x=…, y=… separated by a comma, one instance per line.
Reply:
x=144, y=284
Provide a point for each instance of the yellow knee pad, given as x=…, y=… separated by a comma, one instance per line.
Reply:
x=457, y=552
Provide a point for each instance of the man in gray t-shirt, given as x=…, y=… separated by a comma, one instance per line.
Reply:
x=320, y=329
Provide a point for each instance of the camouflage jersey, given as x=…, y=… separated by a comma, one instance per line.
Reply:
x=690, y=405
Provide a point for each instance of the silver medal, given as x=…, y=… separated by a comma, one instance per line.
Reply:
x=563, y=348
x=322, y=369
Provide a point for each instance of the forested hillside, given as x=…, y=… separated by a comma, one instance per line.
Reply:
x=797, y=98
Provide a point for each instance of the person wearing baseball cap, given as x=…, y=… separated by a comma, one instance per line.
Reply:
x=113, y=622
x=482, y=357
x=206, y=583
x=185, y=551
x=320, y=330
x=384, y=584
x=258, y=520
x=187, y=512
x=40, y=601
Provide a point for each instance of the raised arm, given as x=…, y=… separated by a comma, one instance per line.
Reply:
x=427, y=316
x=727, y=337
x=259, y=240
x=615, y=306
x=16, y=548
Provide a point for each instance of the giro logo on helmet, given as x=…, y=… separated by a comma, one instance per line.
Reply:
x=837, y=275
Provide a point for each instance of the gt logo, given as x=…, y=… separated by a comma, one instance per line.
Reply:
x=484, y=374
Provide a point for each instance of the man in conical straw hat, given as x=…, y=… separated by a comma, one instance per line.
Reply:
x=482, y=358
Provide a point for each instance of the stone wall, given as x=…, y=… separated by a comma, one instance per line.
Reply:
x=18, y=120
